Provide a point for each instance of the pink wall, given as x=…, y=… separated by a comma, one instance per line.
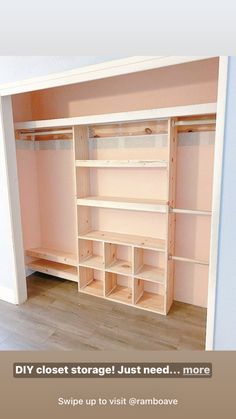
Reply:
x=57, y=199
x=177, y=85
x=29, y=197
x=47, y=198
x=190, y=83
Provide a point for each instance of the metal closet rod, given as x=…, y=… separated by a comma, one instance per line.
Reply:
x=52, y=132
x=189, y=211
x=189, y=260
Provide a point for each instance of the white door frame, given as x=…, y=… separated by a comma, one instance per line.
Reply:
x=94, y=72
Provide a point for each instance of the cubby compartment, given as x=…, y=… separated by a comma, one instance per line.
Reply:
x=149, y=296
x=149, y=265
x=118, y=288
x=118, y=258
x=91, y=254
x=91, y=281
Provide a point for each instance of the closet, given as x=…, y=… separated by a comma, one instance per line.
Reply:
x=120, y=201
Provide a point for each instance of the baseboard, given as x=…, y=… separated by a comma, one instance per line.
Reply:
x=8, y=295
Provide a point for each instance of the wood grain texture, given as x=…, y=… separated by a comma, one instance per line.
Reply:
x=137, y=241
x=53, y=255
x=53, y=268
x=56, y=317
x=150, y=205
x=121, y=163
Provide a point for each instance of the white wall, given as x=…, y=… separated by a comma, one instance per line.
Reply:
x=225, y=321
x=14, y=68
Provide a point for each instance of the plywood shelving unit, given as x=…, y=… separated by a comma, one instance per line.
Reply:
x=132, y=268
x=123, y=261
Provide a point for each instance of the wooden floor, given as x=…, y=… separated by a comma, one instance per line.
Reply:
x=56, y=317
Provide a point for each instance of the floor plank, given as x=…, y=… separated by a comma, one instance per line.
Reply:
x=57, y=317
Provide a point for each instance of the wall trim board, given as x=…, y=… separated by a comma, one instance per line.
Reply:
x=216, y=201
x=8, y=295
x=97, y=71
x=16, y=271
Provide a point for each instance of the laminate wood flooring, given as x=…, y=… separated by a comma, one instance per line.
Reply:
x=57, y=317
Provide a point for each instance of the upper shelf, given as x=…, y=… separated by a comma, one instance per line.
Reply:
x=162, y=113
x=121, y=163
x=150, y=205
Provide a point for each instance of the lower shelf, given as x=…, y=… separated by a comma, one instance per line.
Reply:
x=152, y=302
x=151, y=273
x=122, y=294
x=94, y=261
x=52, y=255
x=60, y=270
x=95, y=287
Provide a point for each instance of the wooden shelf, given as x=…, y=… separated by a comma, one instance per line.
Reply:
x=54, y=268
x=121, y=163
x=122, y=294
x=94, y=261
x=151, y=273
x=152, y=302
x=52, y=255
x=120, y=266
x=132, y=204
x=95, y=287
x=177, y=111
x=119, y=238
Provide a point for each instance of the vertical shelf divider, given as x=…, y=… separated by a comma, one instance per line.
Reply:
x=170, y=242
x=81, y=152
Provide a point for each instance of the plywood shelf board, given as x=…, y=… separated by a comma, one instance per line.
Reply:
x=52, y=255
x=151, y=273
x=197, y=109
x=121, y=293
x=95, y=287
x=93, y=261
x=119, y=238
x=133, y=204
x=120, y=266
x=56, y=269
x=122, y=163
x=151, y=301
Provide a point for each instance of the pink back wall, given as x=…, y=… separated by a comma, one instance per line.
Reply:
x=52, y=185
x=185, y=84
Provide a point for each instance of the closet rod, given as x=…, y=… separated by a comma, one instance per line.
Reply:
x=37, y=133
x=182, y=259
x=195, y=122
x=189, y=211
